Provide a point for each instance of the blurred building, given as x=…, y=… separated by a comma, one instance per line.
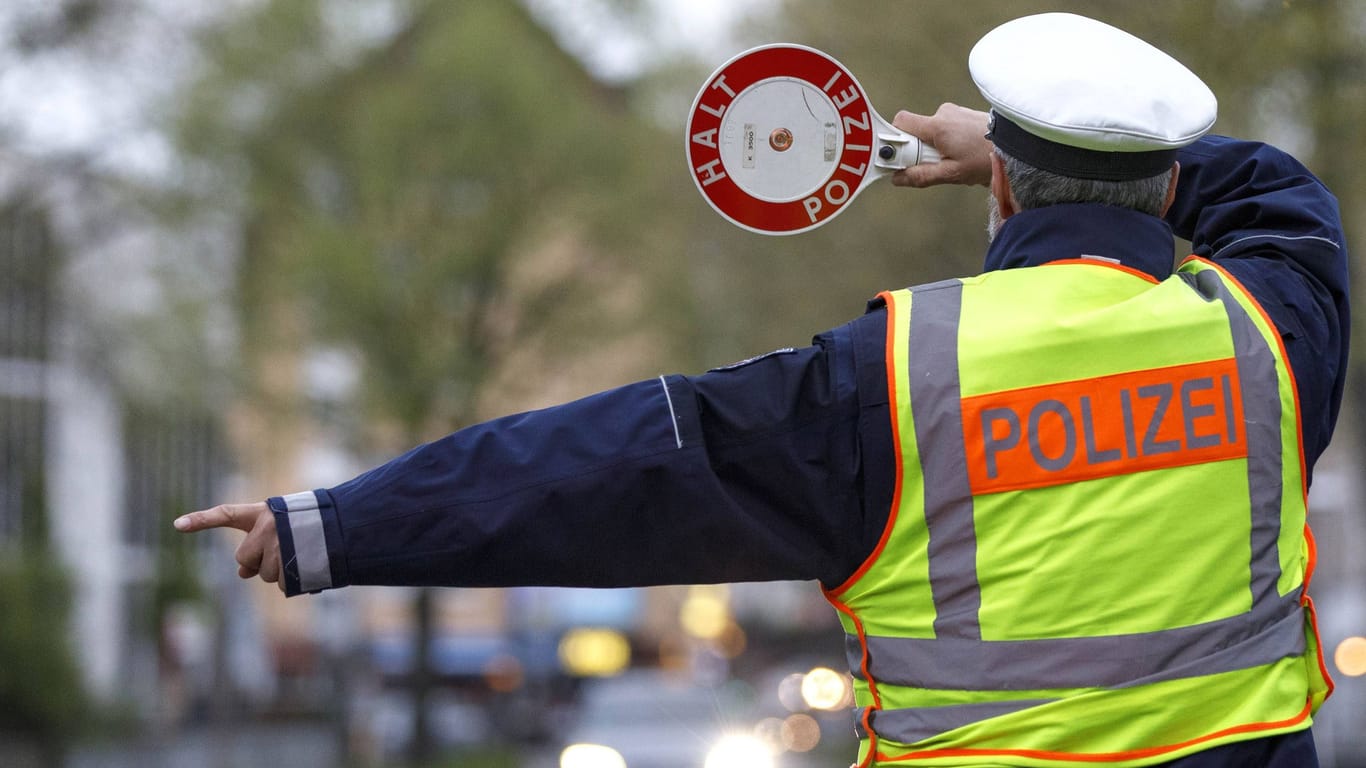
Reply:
x=90, y=463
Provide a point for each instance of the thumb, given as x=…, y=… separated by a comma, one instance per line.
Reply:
x=240, y=516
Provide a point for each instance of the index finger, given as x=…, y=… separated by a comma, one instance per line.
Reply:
x=240, y=516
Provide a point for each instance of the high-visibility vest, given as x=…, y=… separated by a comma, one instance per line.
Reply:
x=1097, y=550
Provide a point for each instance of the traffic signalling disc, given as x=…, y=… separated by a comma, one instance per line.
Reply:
x=782, y=137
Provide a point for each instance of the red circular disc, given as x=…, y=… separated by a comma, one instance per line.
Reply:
x=780, y=138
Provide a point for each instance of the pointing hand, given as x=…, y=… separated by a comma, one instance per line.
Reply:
x=259, y=552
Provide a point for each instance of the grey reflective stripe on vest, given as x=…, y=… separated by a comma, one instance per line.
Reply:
x=1280, y=640
x=1274, y=630
x=937, y=409
x=911, y=725
x=1262, y=421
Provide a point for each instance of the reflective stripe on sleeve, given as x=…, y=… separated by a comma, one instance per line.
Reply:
x=310, y=542
x=673, y=415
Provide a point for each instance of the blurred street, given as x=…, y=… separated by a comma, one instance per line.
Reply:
x=299, y=745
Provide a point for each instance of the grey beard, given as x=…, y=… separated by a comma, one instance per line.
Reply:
x=994, y=220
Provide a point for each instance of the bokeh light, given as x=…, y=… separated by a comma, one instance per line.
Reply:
x=739, y=751
x=591, y=756
x=1350, y=657
x=770, y=731
x=732, y=641
x=825, y=689
x=589, y=652
x=705, y=613
x=790, y=693
x=801, y=733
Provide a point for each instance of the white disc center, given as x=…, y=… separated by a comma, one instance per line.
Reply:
x=780, y=139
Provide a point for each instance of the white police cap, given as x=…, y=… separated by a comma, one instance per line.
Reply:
x=1081, y=98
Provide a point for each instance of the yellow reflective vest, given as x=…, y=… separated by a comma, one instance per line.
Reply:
x=1097, y=550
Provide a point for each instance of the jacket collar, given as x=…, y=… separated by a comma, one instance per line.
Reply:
x=1072, y=230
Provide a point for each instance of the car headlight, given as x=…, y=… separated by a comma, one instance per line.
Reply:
x=739, y=751
x=591, y=756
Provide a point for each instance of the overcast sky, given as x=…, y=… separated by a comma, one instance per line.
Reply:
x=614, y=50
x=100, y=102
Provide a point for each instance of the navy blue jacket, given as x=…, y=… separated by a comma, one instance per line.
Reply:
x=781, y=467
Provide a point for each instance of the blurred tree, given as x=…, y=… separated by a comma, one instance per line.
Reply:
x=385, y=193
x=407, y=183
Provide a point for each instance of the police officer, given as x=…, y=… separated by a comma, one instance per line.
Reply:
x=1058, y=506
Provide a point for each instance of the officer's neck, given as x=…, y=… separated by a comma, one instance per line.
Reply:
x=1067, y=231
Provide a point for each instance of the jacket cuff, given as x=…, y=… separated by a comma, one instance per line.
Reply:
x=310, y=542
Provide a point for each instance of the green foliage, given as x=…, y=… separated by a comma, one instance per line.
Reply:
x=178, y=570
x=41, y=694
x=388, y=193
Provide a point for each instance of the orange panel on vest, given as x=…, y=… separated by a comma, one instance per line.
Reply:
x=1105, y=426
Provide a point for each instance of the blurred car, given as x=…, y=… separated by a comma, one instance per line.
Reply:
x=649, y=719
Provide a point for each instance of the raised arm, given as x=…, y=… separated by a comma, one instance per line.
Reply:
x=1261, y=215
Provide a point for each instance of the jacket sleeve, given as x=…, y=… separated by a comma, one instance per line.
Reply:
x=1261, y=215
x=745, y=473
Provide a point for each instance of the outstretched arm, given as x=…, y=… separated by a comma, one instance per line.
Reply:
x=747, y=473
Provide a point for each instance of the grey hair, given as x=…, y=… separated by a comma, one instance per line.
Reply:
x=1035, y=188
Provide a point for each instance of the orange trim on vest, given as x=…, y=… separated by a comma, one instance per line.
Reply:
x=890, y=361
x=832, y=595
x=1103, y=757
x=1308, y=604
x=1109, y=264
x=863, y=667
x=1313, y=554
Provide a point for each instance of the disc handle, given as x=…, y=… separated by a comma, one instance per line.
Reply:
x=897, y=150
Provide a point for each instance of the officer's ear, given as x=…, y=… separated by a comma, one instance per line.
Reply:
x=1171, y=189
x=1006, y=204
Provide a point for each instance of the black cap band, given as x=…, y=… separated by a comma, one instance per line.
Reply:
x=1076, y=162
